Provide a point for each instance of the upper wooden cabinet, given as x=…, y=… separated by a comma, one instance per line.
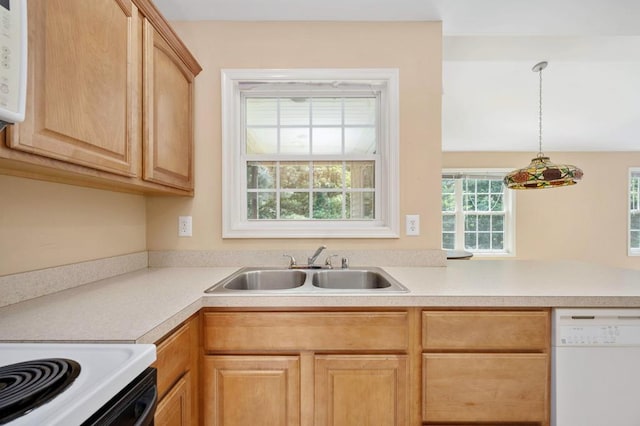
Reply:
x=168, y=115
x=109, y=99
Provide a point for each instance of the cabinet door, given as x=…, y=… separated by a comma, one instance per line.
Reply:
x=251, y=390
x=485, y=387
x=83, y=82
x=168, y=114
x=361, y=390
x=175, y=408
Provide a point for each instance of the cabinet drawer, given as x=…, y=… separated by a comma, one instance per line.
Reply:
x=173, y=358
x=485, y=330
x=485, y=388
x=300, y=331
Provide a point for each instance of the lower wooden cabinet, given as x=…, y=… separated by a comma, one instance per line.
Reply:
x=485, y=387
x=177, y=364
x=175, y=408
x=308, y=368
x=394, y=367
x=251, y=390
x=361, y=390
x=484, y=367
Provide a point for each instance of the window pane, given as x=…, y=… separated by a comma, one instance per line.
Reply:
x=360, y=174
x=469, y=202
x=262, y=111
x=360, y=205
x=635, y=220
x=327, y=111
x=497, y=241
x=470, y=240
x=294, y=140
x=327, y=205
x=327, y=140
x=358, y=111
x=261, y=205
x=448, y=203
x=635, y=239
x=262, y=141
x=497, y=223
x=496, y=186
x=484, y=223
x=294, y=111
x=294, y=175
x=360, y=140
x=261, y=175
x=482, y=186
x=483, y=202
x=294, y=205
x=484, y=241
x=448, y=223
x=448, y=241
x=469, y=185
x=496, y=203
x=470, y=223
x=448, y=186
x=327, y=175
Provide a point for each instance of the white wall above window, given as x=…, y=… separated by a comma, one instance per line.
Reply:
x=254, y=211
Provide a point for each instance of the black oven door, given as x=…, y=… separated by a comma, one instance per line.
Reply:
x=135, y=405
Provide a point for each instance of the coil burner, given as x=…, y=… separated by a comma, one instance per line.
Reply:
x=27, y=385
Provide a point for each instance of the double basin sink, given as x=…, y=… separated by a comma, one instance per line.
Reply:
x=269, y=280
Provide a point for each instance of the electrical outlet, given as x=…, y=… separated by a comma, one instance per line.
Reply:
x=184, y=226
x=413, y=224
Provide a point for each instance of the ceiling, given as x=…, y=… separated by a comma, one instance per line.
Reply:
x=591, y=88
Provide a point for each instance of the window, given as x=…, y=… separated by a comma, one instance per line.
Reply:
x=477, y=213
x=310, y=153
x=634, y=212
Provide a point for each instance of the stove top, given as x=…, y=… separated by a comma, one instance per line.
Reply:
x=89, y=375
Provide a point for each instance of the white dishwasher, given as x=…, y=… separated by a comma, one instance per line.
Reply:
x=595, y=367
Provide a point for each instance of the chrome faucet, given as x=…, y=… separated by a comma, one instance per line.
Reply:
x=311, y=260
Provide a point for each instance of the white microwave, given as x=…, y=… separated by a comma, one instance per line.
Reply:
x=13, y=60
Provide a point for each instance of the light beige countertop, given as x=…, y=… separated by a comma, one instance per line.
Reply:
x=144, y=305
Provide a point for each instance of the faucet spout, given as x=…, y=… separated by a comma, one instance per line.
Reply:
x=311, y=260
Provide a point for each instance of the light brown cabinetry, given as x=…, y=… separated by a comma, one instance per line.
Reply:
x=109, y=99
x=486, y=366
x=306, y=368
x=252, y=390
x=168, y=115
x=177, y=365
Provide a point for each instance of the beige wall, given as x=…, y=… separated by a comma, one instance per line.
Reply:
x=46, y=224
x=587, y=221
x=414, y=48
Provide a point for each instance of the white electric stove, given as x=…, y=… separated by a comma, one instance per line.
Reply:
x=105, y=370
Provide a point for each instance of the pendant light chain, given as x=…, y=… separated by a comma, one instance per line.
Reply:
x=540, y=154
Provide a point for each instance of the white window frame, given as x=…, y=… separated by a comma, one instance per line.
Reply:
x=630, y=251
x=509, y=201
x=234, y=221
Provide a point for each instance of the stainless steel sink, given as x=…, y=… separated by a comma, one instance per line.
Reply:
x=263, y=279
x=350, y=279
x=368, y=280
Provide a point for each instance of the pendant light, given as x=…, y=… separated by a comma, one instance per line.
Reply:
x=542, y=173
